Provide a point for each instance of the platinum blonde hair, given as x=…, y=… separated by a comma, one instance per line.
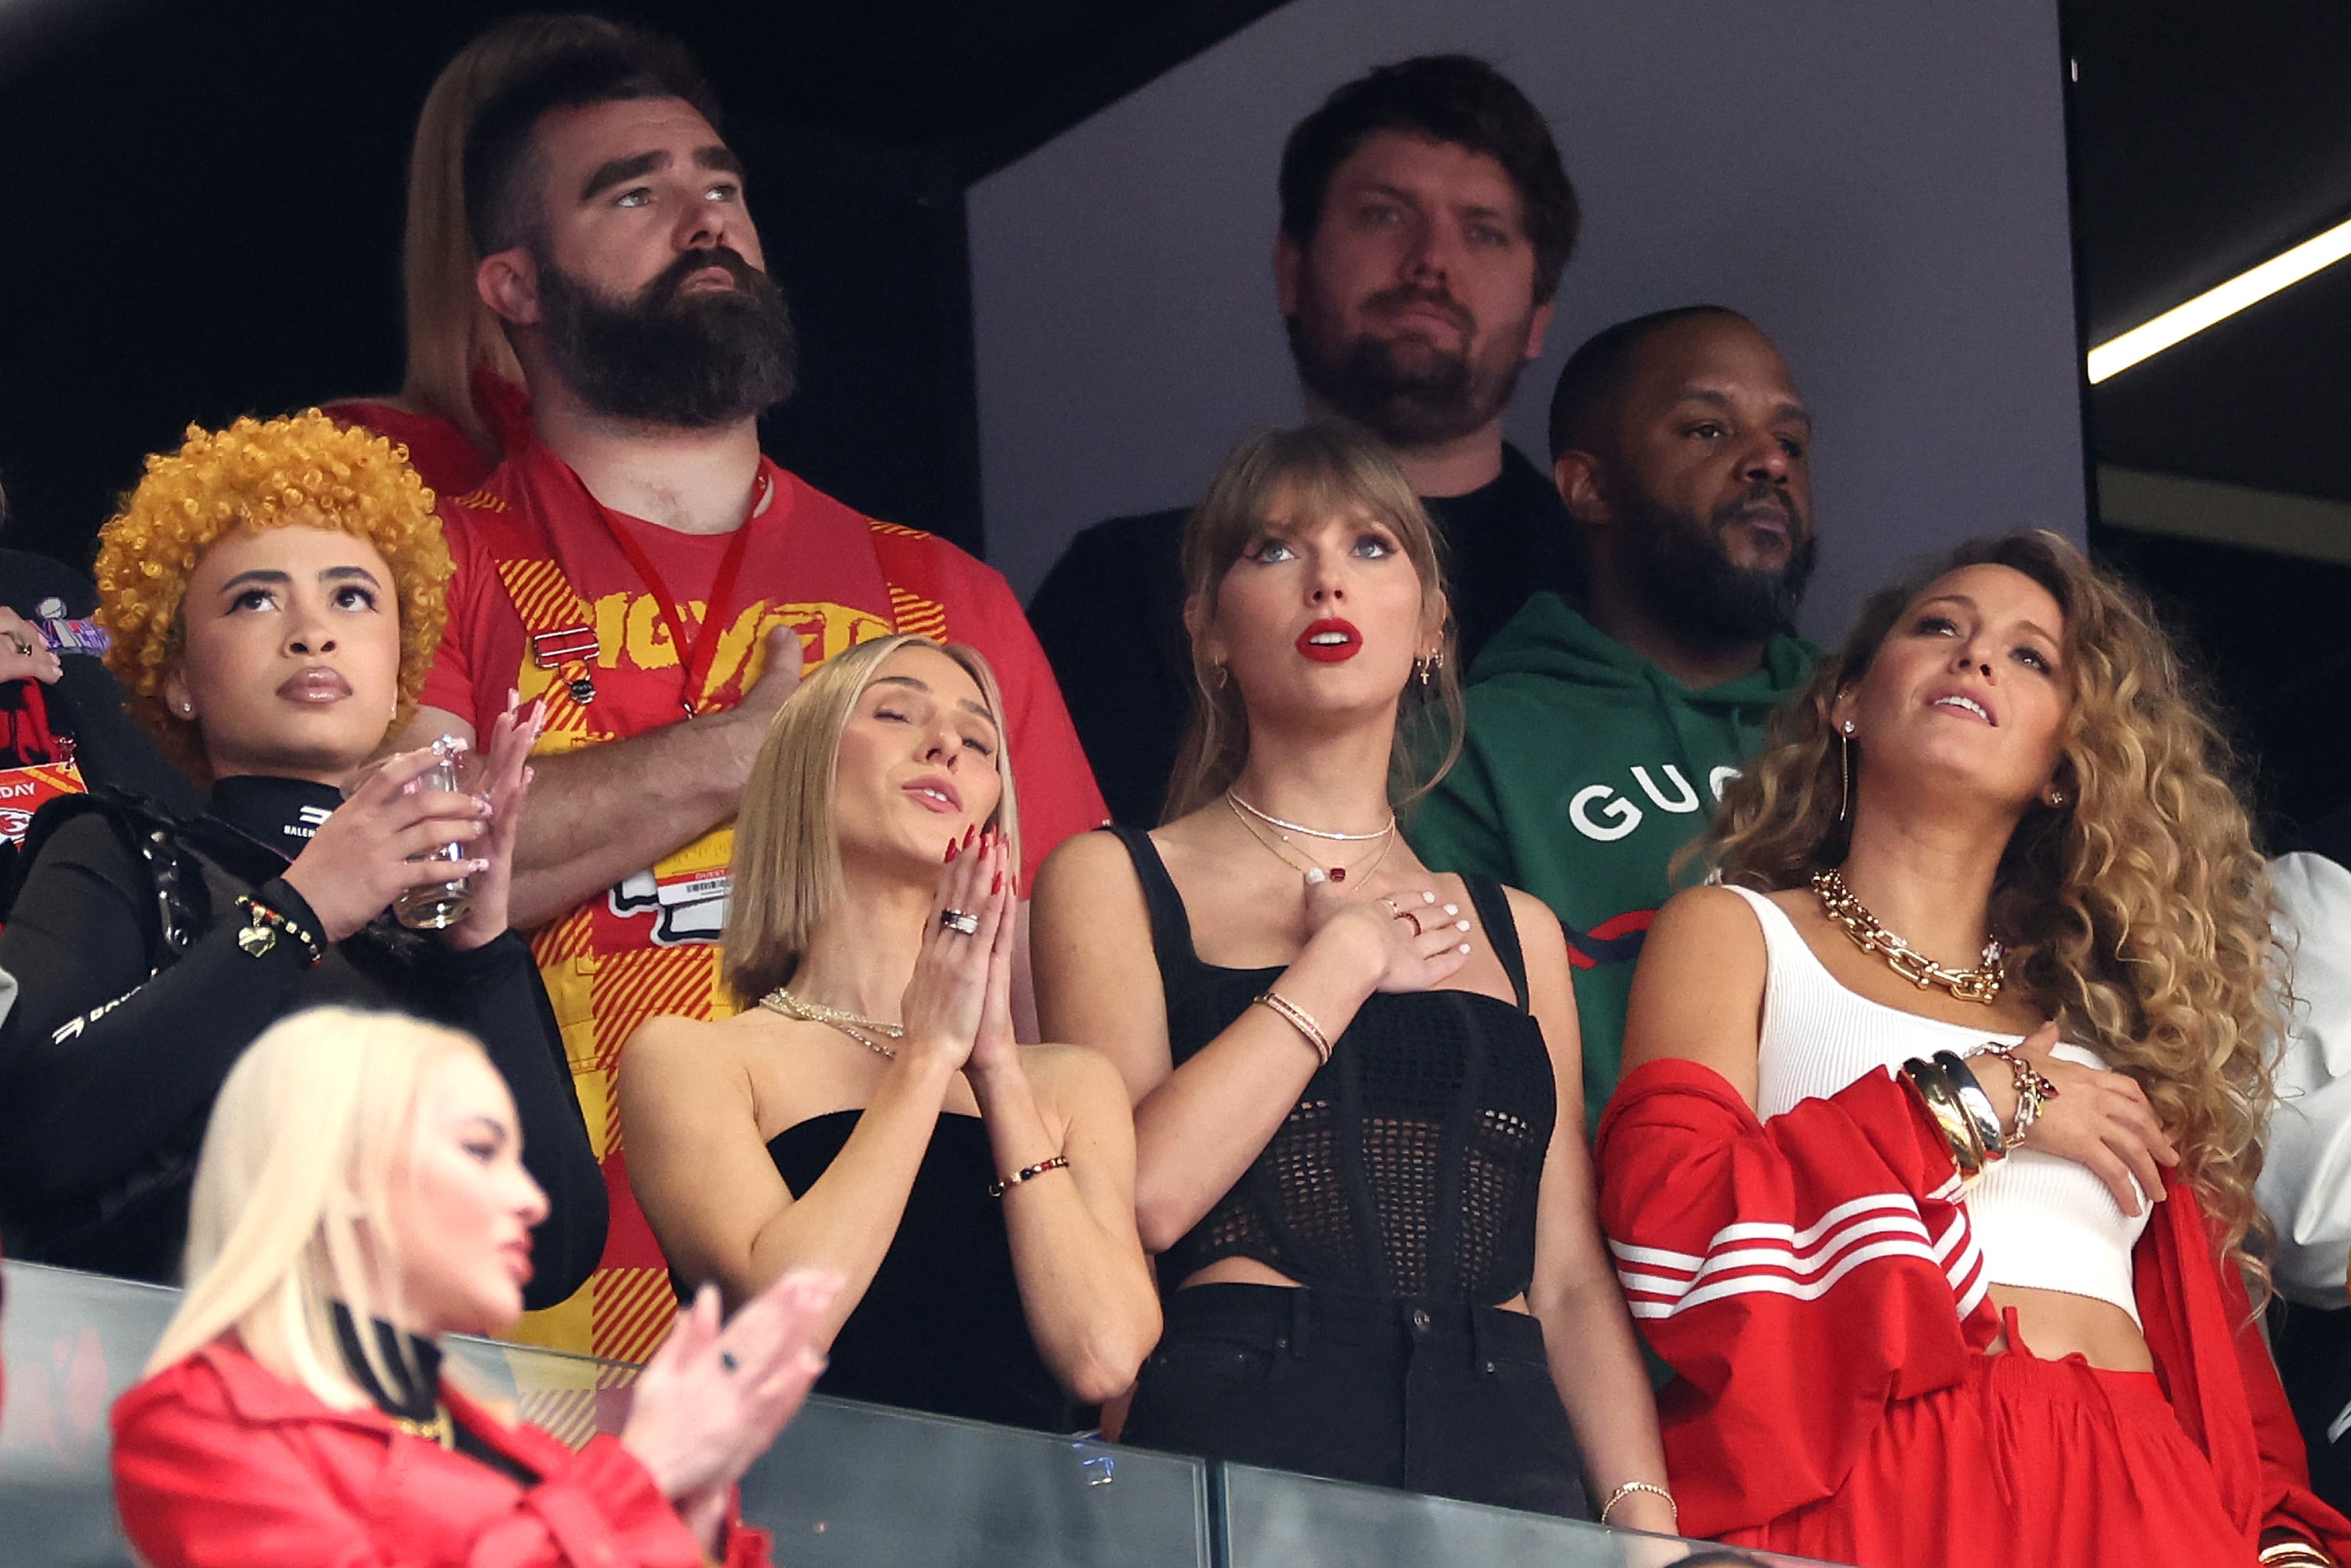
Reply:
x=787, y=846
x=291, y=1211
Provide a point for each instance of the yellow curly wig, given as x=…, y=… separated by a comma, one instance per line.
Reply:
x=2137, y=917
x=304, y=469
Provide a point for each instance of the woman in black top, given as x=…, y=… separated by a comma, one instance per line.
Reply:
x=1358, y=1123
x=867, y=1113
x=274, y=593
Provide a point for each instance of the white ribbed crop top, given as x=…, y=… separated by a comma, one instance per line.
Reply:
x=2044, y=1222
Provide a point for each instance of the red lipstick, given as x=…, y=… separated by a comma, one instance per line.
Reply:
x=1331, y=641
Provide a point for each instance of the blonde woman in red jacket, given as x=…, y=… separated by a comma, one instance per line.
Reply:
x=360, y=1195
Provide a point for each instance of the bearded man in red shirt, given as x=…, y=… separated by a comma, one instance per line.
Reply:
x=643, y=569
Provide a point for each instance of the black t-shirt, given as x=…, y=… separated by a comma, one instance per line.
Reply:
x=1111, y=617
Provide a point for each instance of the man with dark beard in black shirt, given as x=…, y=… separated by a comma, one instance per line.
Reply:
x=1425, y=222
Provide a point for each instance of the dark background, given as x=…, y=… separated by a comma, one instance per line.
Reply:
x=204, y=212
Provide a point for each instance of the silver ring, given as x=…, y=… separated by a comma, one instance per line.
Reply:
x=727, y=1362
x=955, y=920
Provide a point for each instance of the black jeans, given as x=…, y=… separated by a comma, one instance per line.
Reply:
x=1450, y=1400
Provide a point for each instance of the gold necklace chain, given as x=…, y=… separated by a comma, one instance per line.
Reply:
x=1980, y=984
x=441, y=1429
x=853, y=1025
x=1291, y=855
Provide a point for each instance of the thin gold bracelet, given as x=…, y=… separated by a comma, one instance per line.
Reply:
x=1629, y=1488
x=2295, y=1554
x=1299, y=1019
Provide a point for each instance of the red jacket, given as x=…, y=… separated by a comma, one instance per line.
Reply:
x=220, y=1463
x=1800, y=1275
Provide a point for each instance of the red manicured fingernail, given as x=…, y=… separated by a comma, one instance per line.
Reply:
x=970, y=833
x=998, y=885
x=954, y=850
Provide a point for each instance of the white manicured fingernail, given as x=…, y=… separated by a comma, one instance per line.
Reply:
x=1465, y=947
x=1428, y=898
x=1461, y=926
x=1452, y=909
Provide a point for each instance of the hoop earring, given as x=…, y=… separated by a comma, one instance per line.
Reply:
x=1223, y=674
x=1845, y=767
x=1426, y=668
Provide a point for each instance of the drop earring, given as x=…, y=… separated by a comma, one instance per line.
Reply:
x=1844, y=770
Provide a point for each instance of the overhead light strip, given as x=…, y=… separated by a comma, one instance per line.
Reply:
x=2282, y=271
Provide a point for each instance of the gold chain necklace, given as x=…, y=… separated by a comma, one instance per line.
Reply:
x=853, y=1025
x=1291, y=855
x=441, y=1429
x=1980, y=984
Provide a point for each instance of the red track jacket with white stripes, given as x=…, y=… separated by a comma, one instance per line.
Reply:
x=1802, y=1275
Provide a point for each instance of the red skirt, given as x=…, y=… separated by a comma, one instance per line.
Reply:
x=2026, y=1464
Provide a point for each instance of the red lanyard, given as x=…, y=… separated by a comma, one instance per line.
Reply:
x=694, y=657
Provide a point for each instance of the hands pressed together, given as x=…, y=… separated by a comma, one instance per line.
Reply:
x=958, y=1005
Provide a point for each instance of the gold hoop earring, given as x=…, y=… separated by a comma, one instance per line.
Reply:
x=1845, y=767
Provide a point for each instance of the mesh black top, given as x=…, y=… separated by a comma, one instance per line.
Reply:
x=1410, y=1165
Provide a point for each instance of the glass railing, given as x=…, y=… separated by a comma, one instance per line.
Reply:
x=847, y=1486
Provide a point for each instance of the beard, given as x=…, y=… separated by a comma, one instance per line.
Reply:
x=687, y=361
x=1688, y=578
x=1410, y=391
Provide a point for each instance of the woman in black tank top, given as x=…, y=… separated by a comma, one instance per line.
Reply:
x=867, y=1113
x=1359, y=1127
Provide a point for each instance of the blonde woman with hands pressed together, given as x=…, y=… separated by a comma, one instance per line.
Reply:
x=870, y=1111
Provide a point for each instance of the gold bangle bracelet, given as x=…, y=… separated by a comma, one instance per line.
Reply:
x=1942, y=1103
x=1991, y=1137
x=1299, y=1019
x=2293, y=1554
x=1629, y=1488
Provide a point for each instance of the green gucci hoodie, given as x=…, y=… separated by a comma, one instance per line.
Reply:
x=1587, y=768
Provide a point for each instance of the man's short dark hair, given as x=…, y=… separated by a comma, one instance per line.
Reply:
x=1592, y=381
x=1453, y=98
x=501, y=210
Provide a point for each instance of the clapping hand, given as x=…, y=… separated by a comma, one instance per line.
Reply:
x=713, y=1398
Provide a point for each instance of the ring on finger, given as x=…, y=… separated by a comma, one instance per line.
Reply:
x=24, y=649
x=1415, y=919
x=959, y=922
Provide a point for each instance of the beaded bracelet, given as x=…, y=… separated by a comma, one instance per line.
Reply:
x=2295, y=1554
x=264, y=925
x=1299, y=1019
x=1027, y=1173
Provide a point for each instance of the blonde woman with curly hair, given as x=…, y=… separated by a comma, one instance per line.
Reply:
x=1931, y=1171
x=273, y=593
x=362, y=1193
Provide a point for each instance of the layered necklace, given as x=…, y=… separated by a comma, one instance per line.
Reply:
x=855, y=1025
x=1980, y=984
x=1278, y=839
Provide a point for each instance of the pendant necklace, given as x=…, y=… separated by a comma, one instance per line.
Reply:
x=1291, y=854
x=853, y=1025
x=1980, y=984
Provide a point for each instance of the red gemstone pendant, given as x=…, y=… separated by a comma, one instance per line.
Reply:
x=1338, y=874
